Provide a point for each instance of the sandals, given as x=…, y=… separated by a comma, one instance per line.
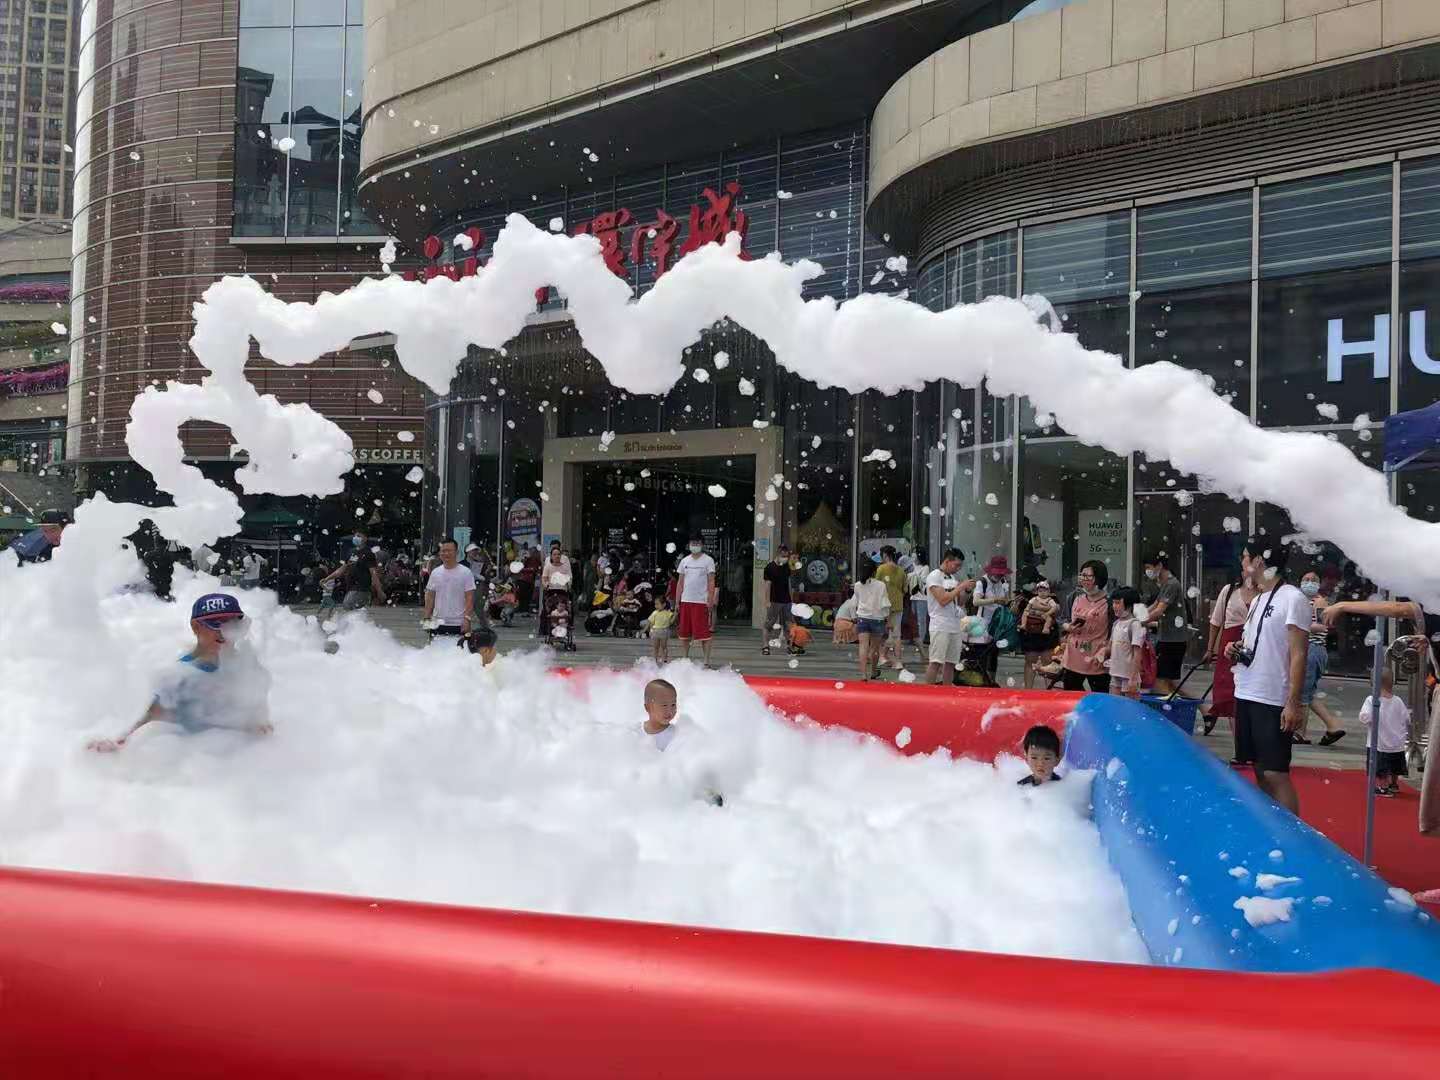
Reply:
x=1210, y=722
x=1298, y=739
x=765, y=650
x=1331, y=737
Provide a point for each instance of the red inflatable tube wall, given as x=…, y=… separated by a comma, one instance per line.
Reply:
x=967, y=721
x=121, y=977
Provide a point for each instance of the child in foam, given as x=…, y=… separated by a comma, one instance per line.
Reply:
x=661, y=706
x=1390, y=736
x=1042, y=754
x=203, y=693
x=481, y=642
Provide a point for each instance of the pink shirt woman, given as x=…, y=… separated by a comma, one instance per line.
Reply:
x=1088, y=632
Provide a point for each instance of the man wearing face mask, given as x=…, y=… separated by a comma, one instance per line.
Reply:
x=215, y=686
x=697, y=597
x=361, y=575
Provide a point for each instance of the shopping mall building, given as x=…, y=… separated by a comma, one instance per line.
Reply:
x=220, y=137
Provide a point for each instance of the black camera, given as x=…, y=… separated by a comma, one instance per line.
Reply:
x=1243, y=657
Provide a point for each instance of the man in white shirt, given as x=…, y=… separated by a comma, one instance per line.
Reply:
x=945, y=599
x=1269, y=663
x=449, y=595
x=251, y=565
x=697, y=597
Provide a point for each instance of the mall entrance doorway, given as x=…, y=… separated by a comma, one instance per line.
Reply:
x=642, y=493
x=652, y=509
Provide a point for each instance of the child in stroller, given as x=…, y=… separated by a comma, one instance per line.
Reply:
x=632, y=608
x=556, y=621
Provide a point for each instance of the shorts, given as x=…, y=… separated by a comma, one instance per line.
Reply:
x=1257, y=727
x=660, y=634
x=1034, y=644
x=355, y=599
x=446, y=631
x=870, y=626
x=892, y=624
x=777, y=615
x=694, y=622
x=946, y=646
x=1169, y=659
x=1391, y=763
x=1317, y=662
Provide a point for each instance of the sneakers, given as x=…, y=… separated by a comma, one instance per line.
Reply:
x=1386, y=793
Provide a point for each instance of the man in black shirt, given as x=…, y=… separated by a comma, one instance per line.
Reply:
x=361, y=575
x=777, y=601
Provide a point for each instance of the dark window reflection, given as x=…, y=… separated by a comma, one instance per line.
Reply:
x=259, y=203
x=1206, y=330
x=319, y=65
x=262, y=77
x=1324, y=348
x=1419, y=362
x=314, y=165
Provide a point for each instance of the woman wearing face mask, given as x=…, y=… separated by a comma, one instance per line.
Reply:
x=1227, y=623
x=1317, y=661
x=1088, y=631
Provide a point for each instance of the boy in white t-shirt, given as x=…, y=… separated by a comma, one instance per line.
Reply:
x=1391, y=738
x=1127, y=641
x=1269, y=664
x=697, y=595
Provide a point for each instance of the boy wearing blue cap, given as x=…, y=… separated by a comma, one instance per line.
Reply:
x=197, y=696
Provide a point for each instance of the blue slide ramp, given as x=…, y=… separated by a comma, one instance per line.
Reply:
x=1220, y=876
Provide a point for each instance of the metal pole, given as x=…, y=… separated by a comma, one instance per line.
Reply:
x=1373, y=741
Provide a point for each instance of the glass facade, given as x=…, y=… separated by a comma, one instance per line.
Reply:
x=299, y=73
x=802, y=196
x=1279, y=294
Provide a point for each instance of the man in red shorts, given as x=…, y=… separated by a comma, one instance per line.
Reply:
x=697, y=596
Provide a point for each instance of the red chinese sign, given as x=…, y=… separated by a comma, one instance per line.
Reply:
x=653, y=240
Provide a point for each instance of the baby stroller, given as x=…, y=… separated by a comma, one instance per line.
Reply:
x=557, y=614
x=500, y=604
x=600, y=617
x=632, y=609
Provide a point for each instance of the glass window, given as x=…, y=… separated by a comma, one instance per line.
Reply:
x=930, y=285
x=982, y=268
x=1079, y=259
x=1419, y=363
x=1324, y=347
x=1325, y=222
x=314, y=176
x=1420, y=209
x=1072, y=509
x=355, y=12
x=354, y=221
x=886, y=424
x=319, y=68
x=819, y=444
x=262, y=77
x=259, y=201
x=319, y=12
x=265, y=12
x=1205, y=329
x=1194, y=242
x=753, y=168
x=823, y=177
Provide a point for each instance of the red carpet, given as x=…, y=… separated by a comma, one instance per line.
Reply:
x=1333, y=801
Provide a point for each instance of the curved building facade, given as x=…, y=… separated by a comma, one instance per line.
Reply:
x=1249, y=190
x=184, y=106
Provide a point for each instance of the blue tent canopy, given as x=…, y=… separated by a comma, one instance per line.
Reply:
x=1412, y=439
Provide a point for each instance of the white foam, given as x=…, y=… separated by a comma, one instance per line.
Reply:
x=1264, y=910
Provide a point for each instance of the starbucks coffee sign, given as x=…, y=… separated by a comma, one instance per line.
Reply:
x=391, y=455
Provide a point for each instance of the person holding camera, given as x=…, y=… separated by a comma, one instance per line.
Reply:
x=1269, y=664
